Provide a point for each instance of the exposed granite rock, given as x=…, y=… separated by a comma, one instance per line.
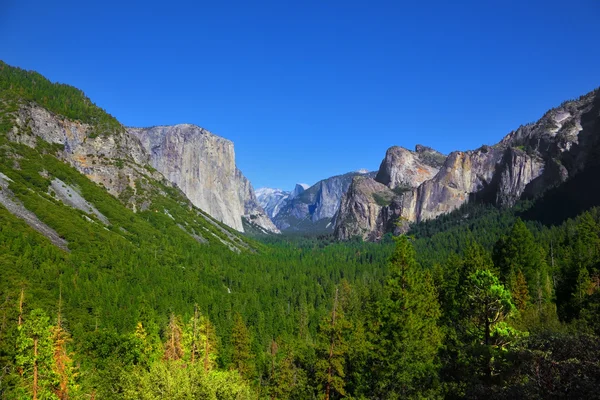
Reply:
x=253, y=212
x=298, y=190
x=71, y=197
x=361, y=209
x=315, y=207
x=463, y=173
x=114, y=161
x=404, y=168
x=526, y=162
x=271, y=200
x=16, y=207
x=199, y=163
x=517, y=170
x=202, y=165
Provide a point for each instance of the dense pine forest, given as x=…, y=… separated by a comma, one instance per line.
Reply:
x=480, y=303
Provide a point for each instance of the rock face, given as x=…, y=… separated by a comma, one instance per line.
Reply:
x=199, y=163
x=298, y=190
x=313, y=209
x=203, y=166
x=407, y=169
x=272, y=200
x=253, y=212
x=526, y=162
x=114, y=161
x=361, y=208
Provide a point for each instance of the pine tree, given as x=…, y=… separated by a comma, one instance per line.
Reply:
x=519, y=251
x=409, y=337
x=62, y=361
x=520, y=292
x=63, y=364
x=144, y=343
x=583, y=289
x=208, y=343
x=200, y=341
x=35, y=353
x=331, y=351
x=489, y=305
x=243, y=359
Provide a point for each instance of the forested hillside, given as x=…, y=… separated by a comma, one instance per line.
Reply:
x=164, y=302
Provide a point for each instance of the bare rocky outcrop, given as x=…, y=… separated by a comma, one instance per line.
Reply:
x=314, y=208
x=526, y=162
x=202, y=165
x=404, y=168
x=71, y=197
x=253, y=212
x=16, y=207
x=115, y=161
x=361, y=209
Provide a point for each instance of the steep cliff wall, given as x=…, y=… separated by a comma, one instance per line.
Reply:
x=315, y=207
x=253, y=211
x=203, y=166
x=116, y=161
x=526, y=162
x=404, y=168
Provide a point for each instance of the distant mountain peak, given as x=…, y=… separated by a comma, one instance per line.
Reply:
x=300, y=187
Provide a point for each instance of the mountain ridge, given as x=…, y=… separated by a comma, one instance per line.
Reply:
x=525, y=162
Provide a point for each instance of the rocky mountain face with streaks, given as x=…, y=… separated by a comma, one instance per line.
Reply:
x=116, y=161
x=202, y=165
x=199, y=163
x=272, y=200
x=308, y=209
x=421, y=185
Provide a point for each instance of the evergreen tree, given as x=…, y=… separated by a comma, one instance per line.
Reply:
x=520, y=292
x=282, y=379
x=409, y=337
x=331, y=351
x=489, y=305
x=243, y=359
x=518, y=251
x=35, y=358
x=145, y=347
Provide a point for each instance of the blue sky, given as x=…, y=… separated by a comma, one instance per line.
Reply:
x=309, y=89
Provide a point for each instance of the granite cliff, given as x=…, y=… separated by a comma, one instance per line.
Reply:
x=524, y=163
x=202, y=165
x=311, y=209
x=272, y=200
x=116, y=161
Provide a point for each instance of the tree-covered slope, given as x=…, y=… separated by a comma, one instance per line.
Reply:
x=19, y=84
x=136, y=294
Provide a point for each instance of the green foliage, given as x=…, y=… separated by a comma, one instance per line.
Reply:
x=518, y=251
x=177, y=380
x=332, y=348
x=16, y=83
x=154, y=305
x=409, y=337
x=381, y=200
x=241, y=343
x=34, y=358
x=489, y=304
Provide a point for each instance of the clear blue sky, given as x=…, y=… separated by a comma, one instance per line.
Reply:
x=309, y=89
